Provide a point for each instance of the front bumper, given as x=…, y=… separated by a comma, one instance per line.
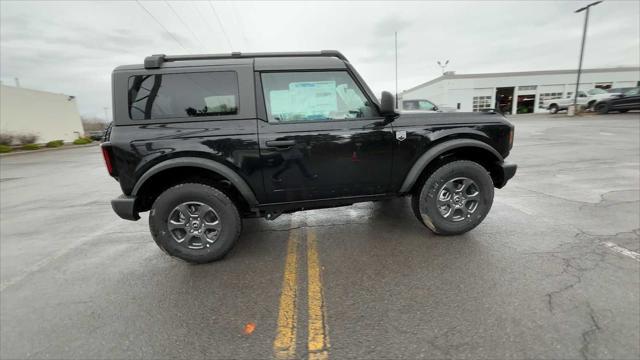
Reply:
x=124, y=206
x=505, y=172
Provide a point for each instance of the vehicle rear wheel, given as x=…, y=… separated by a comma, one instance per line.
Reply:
x=553, y=109
x=194, y=222
x=602, y=108
x=455, y=198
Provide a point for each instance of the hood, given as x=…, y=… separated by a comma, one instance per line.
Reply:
x=434, y=118
x=604, y=96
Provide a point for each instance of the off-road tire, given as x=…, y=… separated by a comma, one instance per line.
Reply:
x=424, y=200
x=602, y=108
x=192, y=192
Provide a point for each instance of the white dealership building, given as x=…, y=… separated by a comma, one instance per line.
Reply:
x=47, y=115
x=516, y=92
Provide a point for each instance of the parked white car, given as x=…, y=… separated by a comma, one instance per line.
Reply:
x=417, y=106
x=587, y=98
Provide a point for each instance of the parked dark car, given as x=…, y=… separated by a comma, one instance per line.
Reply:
x=202, y=141
x=96, y=134
x=630, y=100
x=621, y=90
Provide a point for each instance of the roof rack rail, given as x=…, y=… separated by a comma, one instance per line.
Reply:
x=156, y=61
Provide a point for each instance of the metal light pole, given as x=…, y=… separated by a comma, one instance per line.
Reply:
x=584, y=36
x=396, y=38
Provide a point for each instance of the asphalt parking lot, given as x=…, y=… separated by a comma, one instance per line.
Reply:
x=553, y=272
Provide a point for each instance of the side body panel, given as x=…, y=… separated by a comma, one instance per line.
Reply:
x=138, y=146
x=328, y=160
x=625, y=103
x=424, y=131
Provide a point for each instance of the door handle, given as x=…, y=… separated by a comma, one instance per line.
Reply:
x=280, y=143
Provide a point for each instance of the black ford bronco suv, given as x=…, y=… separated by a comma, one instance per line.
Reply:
x=202, y=141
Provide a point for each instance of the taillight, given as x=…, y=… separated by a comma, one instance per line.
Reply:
x=106, y=154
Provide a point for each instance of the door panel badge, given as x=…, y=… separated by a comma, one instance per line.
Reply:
x=401, y=135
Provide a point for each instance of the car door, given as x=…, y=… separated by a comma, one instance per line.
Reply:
x=322, y=137
x=630, y=100
x=583, y=98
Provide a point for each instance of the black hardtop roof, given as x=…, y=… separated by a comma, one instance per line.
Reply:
x=292, y=58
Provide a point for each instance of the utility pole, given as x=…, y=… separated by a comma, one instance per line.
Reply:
x=396, y=37
x=584, y=36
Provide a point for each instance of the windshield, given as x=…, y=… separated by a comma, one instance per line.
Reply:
x=596, y=91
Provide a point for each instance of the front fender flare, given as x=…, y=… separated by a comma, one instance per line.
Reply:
x=438, y=150
x=207, y=164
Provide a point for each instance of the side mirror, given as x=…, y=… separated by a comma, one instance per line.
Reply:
x=387, y=105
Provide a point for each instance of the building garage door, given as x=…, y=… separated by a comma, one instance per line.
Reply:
x=547, y=92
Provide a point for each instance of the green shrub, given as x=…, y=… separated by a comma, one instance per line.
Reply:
x=82, y=141
x=55, y=143
x=6, y=139
x=30, y=147
x=27, y=139
x=5, y=148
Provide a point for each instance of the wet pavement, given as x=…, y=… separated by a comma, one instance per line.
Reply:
x=552, y=272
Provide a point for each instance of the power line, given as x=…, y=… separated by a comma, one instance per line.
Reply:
x=239, y=22
x=162, y=26
x=221, y=26
x=185, y=24
x=209, y=26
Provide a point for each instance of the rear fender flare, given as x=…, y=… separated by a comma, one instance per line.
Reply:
x=434, y=152
x=206, y=164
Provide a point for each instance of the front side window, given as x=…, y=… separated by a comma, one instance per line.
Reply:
x=184, y=95
x=314, y=95
x=633, y=92
x=596, y=91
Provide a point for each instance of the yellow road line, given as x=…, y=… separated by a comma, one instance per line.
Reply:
x=284, y=346
x=318, y=334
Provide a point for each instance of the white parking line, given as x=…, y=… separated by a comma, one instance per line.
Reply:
x=620, y=250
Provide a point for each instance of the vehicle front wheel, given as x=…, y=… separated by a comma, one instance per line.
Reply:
x=455, y=198
x=553, y=109
x=602, y=108
x=194, y=222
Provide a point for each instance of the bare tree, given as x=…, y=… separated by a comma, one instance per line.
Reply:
x=93, y=124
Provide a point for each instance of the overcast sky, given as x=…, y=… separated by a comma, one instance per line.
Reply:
x=72, y=47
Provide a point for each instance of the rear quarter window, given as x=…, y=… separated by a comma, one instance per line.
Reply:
x=162, y=96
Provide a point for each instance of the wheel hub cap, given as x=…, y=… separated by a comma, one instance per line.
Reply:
x=194, y=225
x=458, y=199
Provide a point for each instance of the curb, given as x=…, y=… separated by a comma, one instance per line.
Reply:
x=64, y=147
